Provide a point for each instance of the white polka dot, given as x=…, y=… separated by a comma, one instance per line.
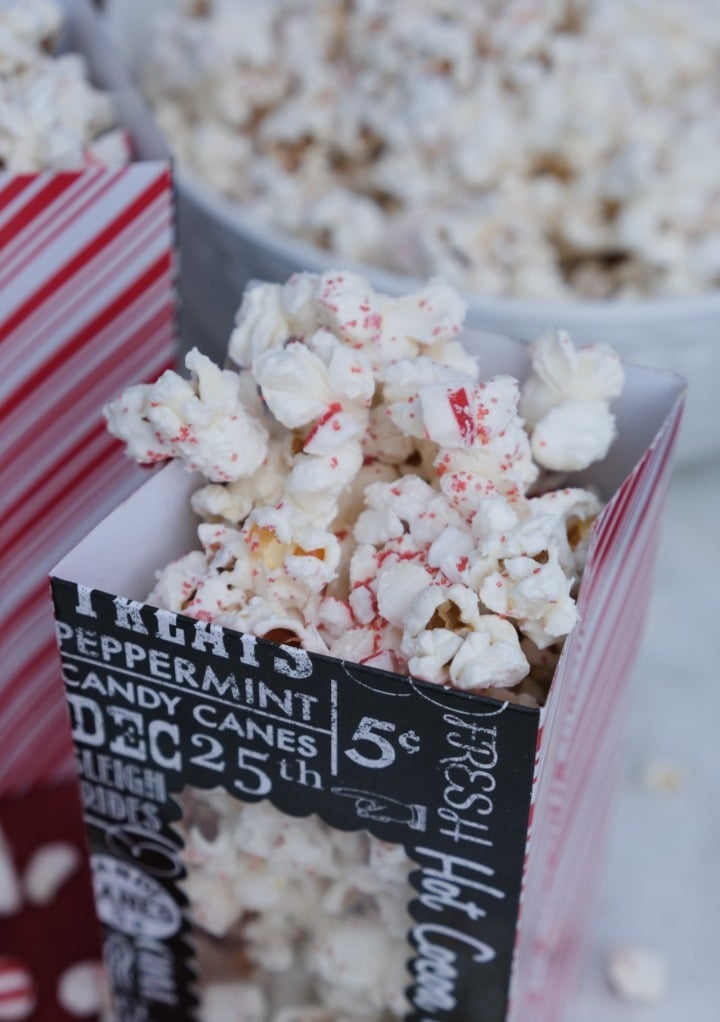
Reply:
x=49, y=868
x=81, y=990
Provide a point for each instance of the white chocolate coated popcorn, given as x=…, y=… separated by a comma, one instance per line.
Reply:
x=566, y=401
x=202, y=421
x=543, y=151
x=318, y=913
x=51, y=117
x=371, y=495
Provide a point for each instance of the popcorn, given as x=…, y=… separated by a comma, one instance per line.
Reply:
x=637, y=974
x=215, y=909
x=233, y=1001
x=24, y=28
x=662, y=775
x=566, y=398
x=579, y=157
x=201, y=422
x=234, y=501
x=50, y=115
x=536, y=594
x=372, y=503
x=351, y=959
x=327, y=908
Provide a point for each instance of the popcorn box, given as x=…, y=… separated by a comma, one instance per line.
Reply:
x=86, y=304
x=500, y=809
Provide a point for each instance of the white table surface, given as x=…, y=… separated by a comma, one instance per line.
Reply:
x=661, y=883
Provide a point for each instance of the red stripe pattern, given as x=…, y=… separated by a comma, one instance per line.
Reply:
x=86, y=306
x=581, y=738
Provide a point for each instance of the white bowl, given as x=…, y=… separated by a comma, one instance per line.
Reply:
x=223, y=247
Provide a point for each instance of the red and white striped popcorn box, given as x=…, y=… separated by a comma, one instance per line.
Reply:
x=580, y=730
x=86, y=305
x=500, y=807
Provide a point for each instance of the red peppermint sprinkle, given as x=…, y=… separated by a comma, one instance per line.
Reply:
x=373, y=321
x=331, y=410
x=460, y=405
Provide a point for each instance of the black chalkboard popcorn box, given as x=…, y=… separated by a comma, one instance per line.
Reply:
x=499, y=808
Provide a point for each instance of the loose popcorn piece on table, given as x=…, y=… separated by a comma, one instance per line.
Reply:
x=637, y=974
x=370, y=497
x=662, y=775
x=579, y=156
x=51, y=117
x=565, y=401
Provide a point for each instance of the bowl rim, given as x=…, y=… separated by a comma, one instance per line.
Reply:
x=312, y=258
